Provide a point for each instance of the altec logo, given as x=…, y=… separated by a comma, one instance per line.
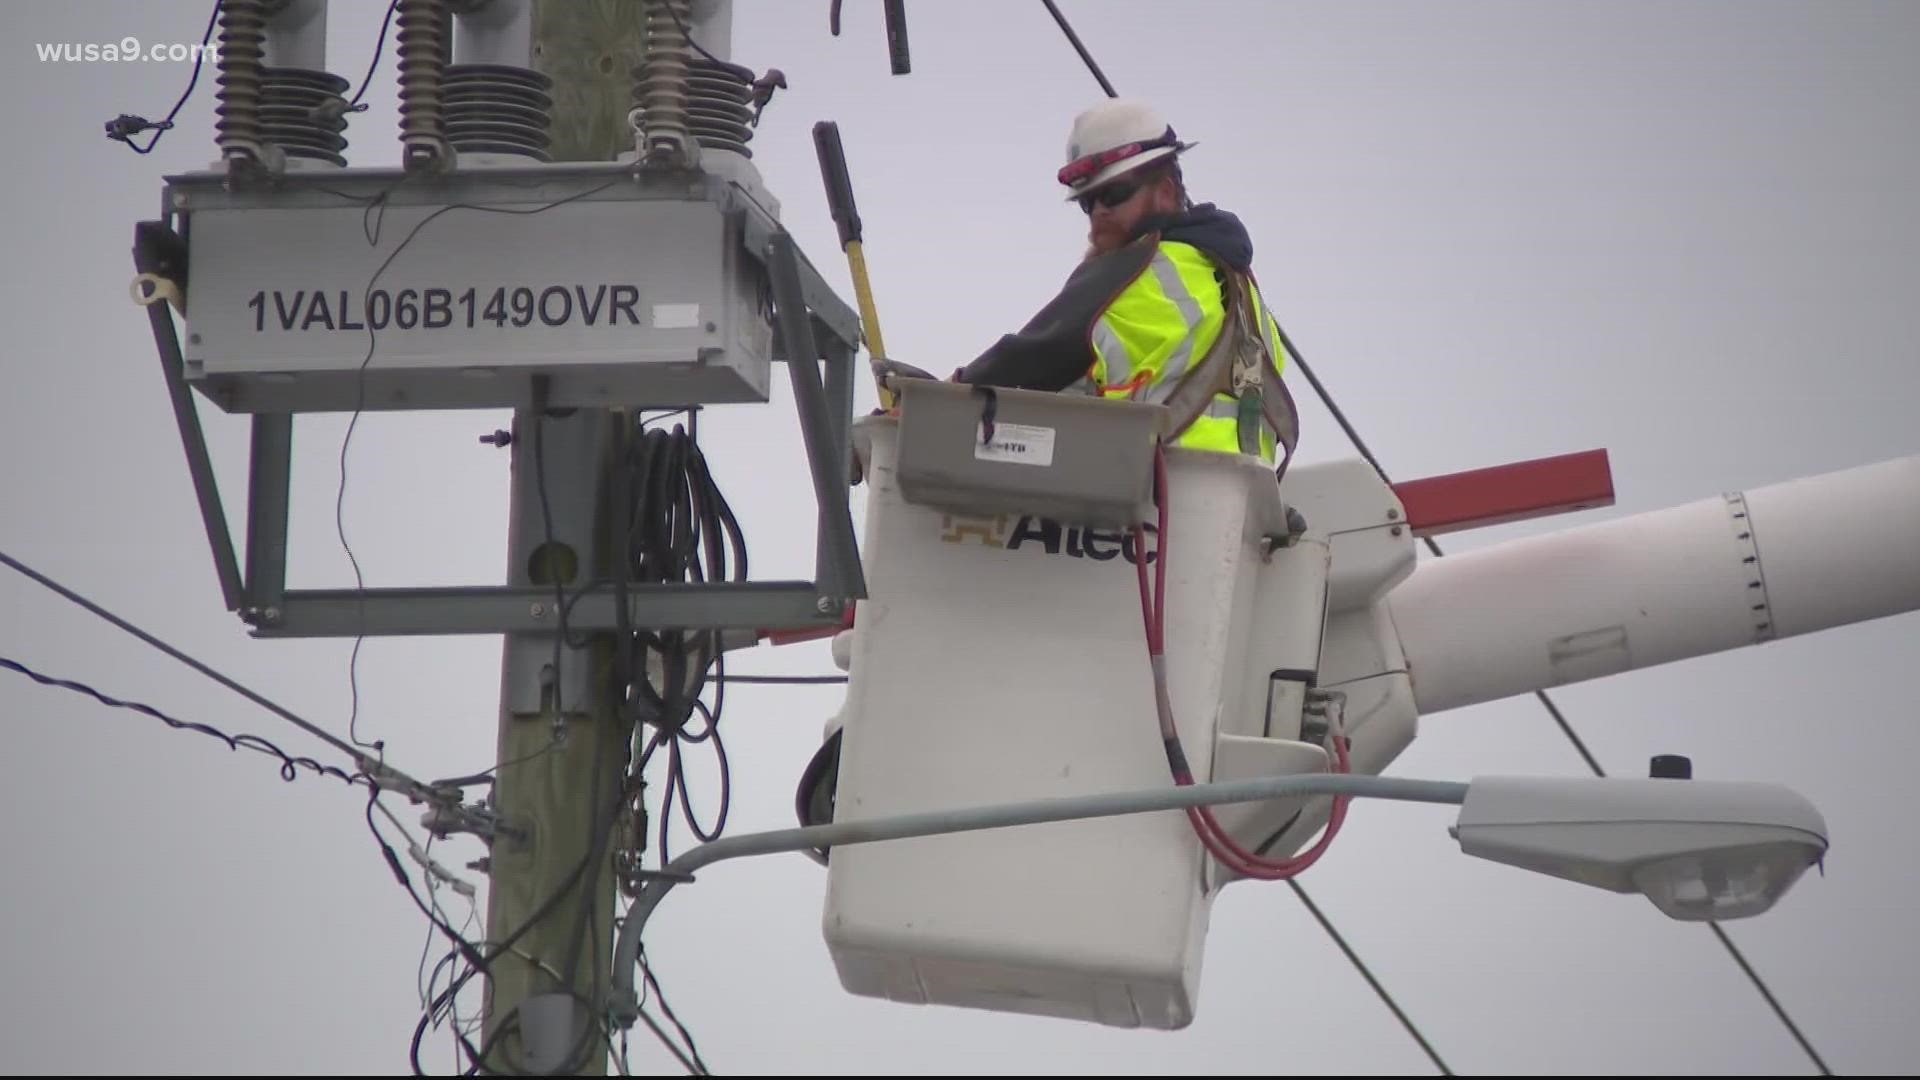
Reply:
x=1072, y=541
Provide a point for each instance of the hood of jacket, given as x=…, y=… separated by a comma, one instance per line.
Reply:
x=1209, y=228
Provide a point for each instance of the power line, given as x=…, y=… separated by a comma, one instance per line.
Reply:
x=1100, y=76
x=1719, y=932
x=374, y=773
x=466, y=949
x=646, y=972
x=444, y=1002
x=289, y=765
x=376, y=206
x=124, y=127
x=1367, y=974
x=672, y=1047
x=359, y=759
x=1760, y=985
x=379, y=47
x=1360, y=444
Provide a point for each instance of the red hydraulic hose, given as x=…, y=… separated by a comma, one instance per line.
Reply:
x=1153, y=613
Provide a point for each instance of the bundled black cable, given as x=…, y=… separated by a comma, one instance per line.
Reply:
x=679, y=529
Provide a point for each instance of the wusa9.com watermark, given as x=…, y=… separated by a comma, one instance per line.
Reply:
x=126, y=49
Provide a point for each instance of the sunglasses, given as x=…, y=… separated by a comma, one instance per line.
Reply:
x=1110, y=196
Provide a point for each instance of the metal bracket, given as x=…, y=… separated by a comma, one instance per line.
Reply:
x=443, y=820
x=837, y=559
x=159, y=251
x=1324, y=711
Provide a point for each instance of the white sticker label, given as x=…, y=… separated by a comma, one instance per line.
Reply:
x=1018, y=444
x=676, y=316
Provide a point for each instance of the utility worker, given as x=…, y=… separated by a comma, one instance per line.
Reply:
x=1163, y=308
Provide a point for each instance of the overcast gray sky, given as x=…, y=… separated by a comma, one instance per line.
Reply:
x=1683, y=232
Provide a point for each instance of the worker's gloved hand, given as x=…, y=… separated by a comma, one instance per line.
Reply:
x=888, y=372
x=892, y=370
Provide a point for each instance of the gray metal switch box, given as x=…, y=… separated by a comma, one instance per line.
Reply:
x=620, y=291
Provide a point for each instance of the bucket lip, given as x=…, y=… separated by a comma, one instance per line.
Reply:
x=865, y=427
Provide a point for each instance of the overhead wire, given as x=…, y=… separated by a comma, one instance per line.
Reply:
x=354, y=105
x=1379, y=988
x=124, y=127
x=290, y=765
x=468, y=951
x=699, y=1064
x=508, y=945
x=619, y=1053
x=375, y=775
x=465, y=948
x=643, y=996
x=386, y=774
x=697, y=47
x=1085, y=56
x=445, y=1002
x=693, y=1069
x=423, y=854
x=373, y=65
x=449, y=962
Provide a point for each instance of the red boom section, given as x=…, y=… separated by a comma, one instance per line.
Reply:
x=1516, y=492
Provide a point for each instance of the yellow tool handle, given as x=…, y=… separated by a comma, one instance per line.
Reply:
x=869, y=318
x=833, y=171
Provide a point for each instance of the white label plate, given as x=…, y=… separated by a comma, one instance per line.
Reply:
x=1016, y=444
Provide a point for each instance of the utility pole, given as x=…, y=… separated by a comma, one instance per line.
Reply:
x=562, y=736
x=561, y=740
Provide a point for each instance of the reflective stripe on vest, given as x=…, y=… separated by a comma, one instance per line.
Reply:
x=1154, y=332
x=1113, y=362
x=1168, y=276
x=1219, y=429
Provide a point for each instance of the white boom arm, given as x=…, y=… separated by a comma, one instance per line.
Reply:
x=1791, y=558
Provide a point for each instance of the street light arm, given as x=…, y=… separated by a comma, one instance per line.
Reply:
x=625, y=1003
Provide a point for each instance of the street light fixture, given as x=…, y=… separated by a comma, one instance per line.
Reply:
x=1699, y=850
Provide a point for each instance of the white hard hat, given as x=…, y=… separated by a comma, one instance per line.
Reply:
x=1112, y=139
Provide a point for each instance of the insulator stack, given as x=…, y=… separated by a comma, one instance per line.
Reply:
x=304, y=113
x=242, y=79
x=425, y=29
x=499, y=109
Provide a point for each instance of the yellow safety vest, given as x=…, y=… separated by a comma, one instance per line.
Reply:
x=1163, y=324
